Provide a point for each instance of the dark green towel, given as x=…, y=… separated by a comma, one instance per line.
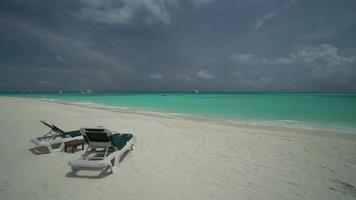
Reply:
x=72, y=134
x=120, y=140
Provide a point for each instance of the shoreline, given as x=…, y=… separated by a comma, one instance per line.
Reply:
x=259, y=125
x=223, y=121
x=262, y=124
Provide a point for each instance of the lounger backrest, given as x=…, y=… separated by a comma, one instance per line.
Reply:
x=58, y=130
x=97, y=137
x=46, y=124
x=53, y=128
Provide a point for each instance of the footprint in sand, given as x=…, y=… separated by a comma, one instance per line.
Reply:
x=4, y=186
x=343, y=187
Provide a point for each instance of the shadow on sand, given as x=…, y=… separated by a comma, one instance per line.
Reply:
x=39, y=150
x=102, y=174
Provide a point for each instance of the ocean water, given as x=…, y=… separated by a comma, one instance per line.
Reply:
x=336, y=111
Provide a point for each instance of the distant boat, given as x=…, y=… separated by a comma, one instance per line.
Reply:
x=60, y=91
x=195, y=91
x=86, y=91
x=27, y=91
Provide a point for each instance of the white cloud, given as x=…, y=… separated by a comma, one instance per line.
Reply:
x=205, y=74
x=126, y=11
x=265, y=79
x=323, y=61
x=247, y=59
x=44, y=82
x=187, y=78
x=60, y=58
x=325, y=54
x=155, y=76
x=243, y=57
x=260, y=21
x=283, y=61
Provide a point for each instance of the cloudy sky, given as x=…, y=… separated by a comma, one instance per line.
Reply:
x=232, y=45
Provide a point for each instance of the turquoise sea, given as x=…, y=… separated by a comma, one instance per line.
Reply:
x=335, y=111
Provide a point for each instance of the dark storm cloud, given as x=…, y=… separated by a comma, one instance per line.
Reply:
x=251, y=45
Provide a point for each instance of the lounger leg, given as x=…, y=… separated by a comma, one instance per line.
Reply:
x=61, y=147
x=74, y=148
x=75, y=169
x=49, y=147
x=116, y=164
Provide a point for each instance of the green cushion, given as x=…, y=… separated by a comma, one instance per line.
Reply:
x=97, y=136
x=120, y=140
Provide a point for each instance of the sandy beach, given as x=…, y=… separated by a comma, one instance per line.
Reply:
x=174, y=158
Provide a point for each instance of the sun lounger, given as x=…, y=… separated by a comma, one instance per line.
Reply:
x=105, y=150
x=54, y=140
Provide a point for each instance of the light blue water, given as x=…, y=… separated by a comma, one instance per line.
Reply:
x=322, y=110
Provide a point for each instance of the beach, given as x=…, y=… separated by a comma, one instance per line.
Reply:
x=175, y=157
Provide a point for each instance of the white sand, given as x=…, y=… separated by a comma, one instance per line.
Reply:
x=174, y=158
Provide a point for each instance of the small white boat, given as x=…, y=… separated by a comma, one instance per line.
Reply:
x=27, y=91
x=195, y=91
x=86, y=91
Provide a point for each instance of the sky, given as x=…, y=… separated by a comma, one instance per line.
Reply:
x=178, y=45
